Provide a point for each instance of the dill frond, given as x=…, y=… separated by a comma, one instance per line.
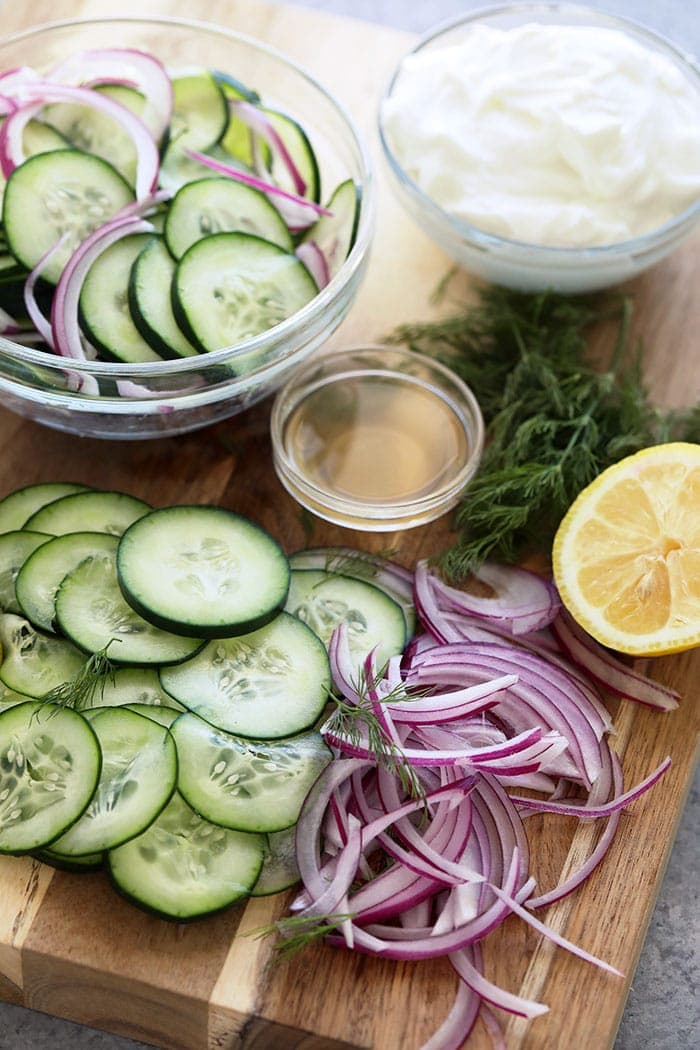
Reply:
x=553, y=420
x=296, y=932
x=359, y=724
x=80, y=691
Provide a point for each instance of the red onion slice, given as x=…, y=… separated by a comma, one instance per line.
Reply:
x=9, y=325
x=459, y=1022
x=32, y=96
x=445, y=707
x=490, y=993
x=126, y=65
x=41, y=323
x=609, y=671
x=585, y=810
x=301, y=210
x=259, y=123
x=64, y=308
x=315, y=262
x=523, y=601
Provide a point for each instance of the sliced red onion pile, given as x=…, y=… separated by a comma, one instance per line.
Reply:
x=412, y=844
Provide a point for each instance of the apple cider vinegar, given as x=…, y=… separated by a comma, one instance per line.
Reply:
x=377, y=439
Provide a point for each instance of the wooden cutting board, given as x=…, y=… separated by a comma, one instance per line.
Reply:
x=69, y=946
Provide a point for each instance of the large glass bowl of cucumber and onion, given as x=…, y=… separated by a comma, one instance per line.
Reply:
x=186, y=217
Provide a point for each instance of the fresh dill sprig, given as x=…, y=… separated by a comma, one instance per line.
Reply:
x=79, y=692
x=553, y=420
x=296, y=932
x=360, y=724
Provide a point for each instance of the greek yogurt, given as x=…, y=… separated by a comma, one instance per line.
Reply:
x=555, y=135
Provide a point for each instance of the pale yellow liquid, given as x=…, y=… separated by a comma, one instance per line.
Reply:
x=376, y=439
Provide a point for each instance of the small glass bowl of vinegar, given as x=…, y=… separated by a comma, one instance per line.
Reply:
x=376, y=438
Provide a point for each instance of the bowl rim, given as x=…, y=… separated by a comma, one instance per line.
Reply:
x=462, y=401
x=487, y=241
x=320, y=302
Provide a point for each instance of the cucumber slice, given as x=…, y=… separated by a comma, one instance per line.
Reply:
x=299, y=148
x=110, y=512
x=34, y=663
x=91, y=611
x=177, y=168
x=335, y=234
x=139, y=772
x=280, y=869
x=135, y=686
x=40, y=577
x=88, y=863
x=323, y=600
x=104, y=307
x=9, y=698
x=237, y=140
x=151, y=308
x=221, y=205
x=202, y=571
x=93, y=132
x=234, y=88
x=15, y=548
x=231, y=286
x=64, y=191
x=361, y=565
x=200, y=112
x=248, y=785
x=265, y=685
x=37, y=137
x=164, y=716
x=49, y=768
x=183, y=866
x=22, y=503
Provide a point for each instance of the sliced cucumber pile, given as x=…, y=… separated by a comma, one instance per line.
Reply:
x=181, y=760
x=196, y=742
x=227, y=165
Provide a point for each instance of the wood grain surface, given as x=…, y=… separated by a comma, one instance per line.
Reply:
x=70, y=946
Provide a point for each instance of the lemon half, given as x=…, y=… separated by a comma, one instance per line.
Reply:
x=626, y=556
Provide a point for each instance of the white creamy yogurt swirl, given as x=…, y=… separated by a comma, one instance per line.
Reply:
x=558, y=135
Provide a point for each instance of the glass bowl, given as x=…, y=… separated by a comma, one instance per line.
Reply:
x=170, y=397
x=377, y=438
x=515, y=264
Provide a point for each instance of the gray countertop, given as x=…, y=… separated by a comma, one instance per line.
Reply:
x=662, y=1011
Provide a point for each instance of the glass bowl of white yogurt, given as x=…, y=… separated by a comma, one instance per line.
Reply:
x=547, y=145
